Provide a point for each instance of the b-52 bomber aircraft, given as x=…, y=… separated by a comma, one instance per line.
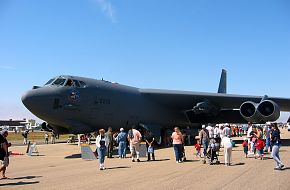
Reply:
x=71, y=104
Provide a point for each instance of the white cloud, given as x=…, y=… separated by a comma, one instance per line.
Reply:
x=107, y=8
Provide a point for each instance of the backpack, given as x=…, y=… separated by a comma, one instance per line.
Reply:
x=130, y=134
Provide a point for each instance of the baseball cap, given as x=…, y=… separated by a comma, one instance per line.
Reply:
x=121, y=129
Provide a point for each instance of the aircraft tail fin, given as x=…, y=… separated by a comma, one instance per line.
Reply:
x=223, y=82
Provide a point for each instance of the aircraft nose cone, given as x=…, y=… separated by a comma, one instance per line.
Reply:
x=27, y=100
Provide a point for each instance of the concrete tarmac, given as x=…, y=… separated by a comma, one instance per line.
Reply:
x=59, y=167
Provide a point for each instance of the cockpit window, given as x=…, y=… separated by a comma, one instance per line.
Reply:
x=49, y=82
x=69, y=82
x=59, y=81
x=63, y=81
x=83, y=84
x=76, y=83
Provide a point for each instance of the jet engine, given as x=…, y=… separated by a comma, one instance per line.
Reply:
x=269, y=110
x=57, y=129
x=46, y=127
x=266, y=110
x=250, y=113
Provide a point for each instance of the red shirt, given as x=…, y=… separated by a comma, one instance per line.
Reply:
x=245, y=143
x=197, y=147
x=260, y=144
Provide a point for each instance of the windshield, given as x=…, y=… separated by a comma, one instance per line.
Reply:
x=49, y=82
x=59, y=81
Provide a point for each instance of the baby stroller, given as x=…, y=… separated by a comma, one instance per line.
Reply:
x=212, y=155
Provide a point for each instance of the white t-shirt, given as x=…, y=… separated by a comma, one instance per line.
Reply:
x=210, y=131
x=227, y=142
x=249, y=131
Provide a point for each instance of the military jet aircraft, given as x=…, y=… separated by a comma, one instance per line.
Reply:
x=71, y=104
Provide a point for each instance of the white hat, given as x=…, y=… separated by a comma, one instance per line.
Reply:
x=203, y=126
x=121, y=129
x=226, y=124
x=268, y=123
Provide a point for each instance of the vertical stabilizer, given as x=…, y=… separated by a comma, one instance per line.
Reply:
x=223, y=82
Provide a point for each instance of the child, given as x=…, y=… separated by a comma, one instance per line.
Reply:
x=197, y=148
x=246, y=147
x=260, y=147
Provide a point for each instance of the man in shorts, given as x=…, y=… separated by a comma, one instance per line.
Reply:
x=134, y=138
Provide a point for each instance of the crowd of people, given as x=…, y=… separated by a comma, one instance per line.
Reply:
x=258, y=140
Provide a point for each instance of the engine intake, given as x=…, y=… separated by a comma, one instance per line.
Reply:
x=250, y=113
x=269, y=110
x=266, y=110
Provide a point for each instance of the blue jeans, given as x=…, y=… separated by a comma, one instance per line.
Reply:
x=205, y=146
x=275, y=154
x=178, y=151
x=268, y=144
x=101, y=154
x=122, y=149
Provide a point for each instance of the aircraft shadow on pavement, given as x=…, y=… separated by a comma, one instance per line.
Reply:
x=73, y=156
x=19, y=183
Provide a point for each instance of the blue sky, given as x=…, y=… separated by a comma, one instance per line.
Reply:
x=152, y=44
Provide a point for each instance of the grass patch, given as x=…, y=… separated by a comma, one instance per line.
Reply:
x=33, y=136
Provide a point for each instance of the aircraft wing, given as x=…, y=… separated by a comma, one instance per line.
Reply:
x=226, y=104
x=186, y=99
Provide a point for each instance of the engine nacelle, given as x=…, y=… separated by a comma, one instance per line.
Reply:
x=269, y=110
x=250, y=112
x=46, y=127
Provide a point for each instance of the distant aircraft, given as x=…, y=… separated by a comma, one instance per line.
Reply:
x=71, y=104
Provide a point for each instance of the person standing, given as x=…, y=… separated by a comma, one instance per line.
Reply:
x=210, y=130
x=4, y=154
x=228, y=146
x=267, y=132
x=276, y=143
x=46, y=138
x=227, y=130
x=52, y=138
x=101, y=143
x=197, y=148
x=149, y=138
x=216, y=131
x=134, y=138
x=25, y=136
x=246, y=147
x=204, y=138
x=122, y=140
x=110, y=147
x=249, y=131
x=177, y=138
